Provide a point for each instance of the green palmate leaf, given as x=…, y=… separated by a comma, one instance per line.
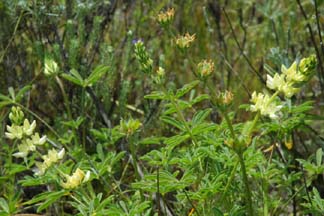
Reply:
x=186, y=88
x=151, y=140
x=51, y=198
x=21, y=92
x=5, y=98
x=5, y=103
x=76, y=74
x=140, y=207
x=30, y=181
x=302, y=107
x=96, y=74
x=199, y=99
x=203, y=128
x=168, y=182
x=72, y=79
x=104, y=203
x=200, y=116
x=154, y=157
x=176, y=140
x=157, y=95
x=16, y=168
x=48, y=197
x=74, y=123
x=181, y=106
x=173, y=122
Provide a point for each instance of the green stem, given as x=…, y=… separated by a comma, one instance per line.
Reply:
x=67, y=106
x=133, y=153
x=255, y=120
x=248, y=195
x=82, y=114
x=265, y=197
x=229, y=181
x=229, y=124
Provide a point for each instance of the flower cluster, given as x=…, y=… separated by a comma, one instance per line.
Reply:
x=226, y=97
x=76, y=179
x=287, y=81
x=50, y=67
x=265, y=105
x=143, y=57
x=164, y=18
x=24, y=132
x=159, y=76
x=184, y=41
x=52, y=157
x=129, y=127
x=205, y=68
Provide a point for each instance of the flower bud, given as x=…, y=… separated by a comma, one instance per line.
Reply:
x=184, y=42
x=227, y=97
x=16, y=116
x=143, y=57
x=165, y=18
x=159, y=76
x=308, y=65
x=205, y=68
x=129, y=127
x=50, y=68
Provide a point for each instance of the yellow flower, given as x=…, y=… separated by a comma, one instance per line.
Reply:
x=37, y=140
x=52, y=157
x=185, y=41
x=292, y=74
x=160, y=72
x=29, y=128
x=279, y=83
x=14, y=132
x=77, y=178
x=24, y=148
x=263, y=104
x=41, y=168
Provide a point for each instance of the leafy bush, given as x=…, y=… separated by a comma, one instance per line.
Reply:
x=156, y=108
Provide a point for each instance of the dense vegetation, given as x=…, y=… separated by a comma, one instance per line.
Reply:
x=161, y=107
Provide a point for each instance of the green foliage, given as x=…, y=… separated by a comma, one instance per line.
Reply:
x=161, y=108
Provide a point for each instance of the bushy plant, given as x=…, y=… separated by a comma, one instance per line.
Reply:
x=133, y=108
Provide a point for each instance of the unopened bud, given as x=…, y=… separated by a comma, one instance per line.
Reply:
x=308, y=65
x=184, y=42
x=50, y=68
x=164, y=18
